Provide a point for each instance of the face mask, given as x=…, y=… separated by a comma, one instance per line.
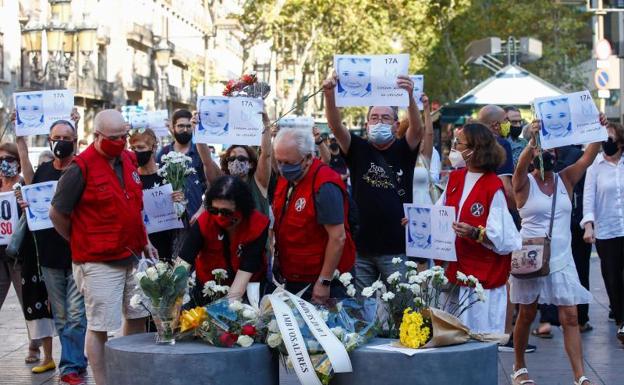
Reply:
x=457, y=159
x=504, y=128
x=62, y=148
x=609, y=147
x=292, y=172
x=334, y=147
x=549, y=161
x=183, y=137
x=515, y=131
x=227, y=221
x=143, y=157
x=238, y=168
x=380, y=134
x=8, y=169
x=112, y=148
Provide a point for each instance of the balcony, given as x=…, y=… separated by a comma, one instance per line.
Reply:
x=140, y=37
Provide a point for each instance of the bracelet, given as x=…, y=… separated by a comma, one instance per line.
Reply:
x=481, y=236
x=319, y=142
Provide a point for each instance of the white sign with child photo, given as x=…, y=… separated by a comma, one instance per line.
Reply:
x=429, y=232
x=39, y=198
x=225, y=120
x=37, y=110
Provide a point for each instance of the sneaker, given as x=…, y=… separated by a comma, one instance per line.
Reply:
x=72, y=379
x=620, y=334
x=509, y=347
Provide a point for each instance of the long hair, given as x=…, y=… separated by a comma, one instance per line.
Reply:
x=487, y=154
x=233, y=189
x=251, y=154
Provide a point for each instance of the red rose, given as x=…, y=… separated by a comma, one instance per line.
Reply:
x=248, y=79
x=230, y=83
x=228, y=339
x=248, y=330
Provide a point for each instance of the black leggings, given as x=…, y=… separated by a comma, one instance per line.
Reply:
x=611, y=253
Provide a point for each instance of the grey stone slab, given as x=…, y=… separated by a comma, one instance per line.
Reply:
x=137, y=360
x=467, y=364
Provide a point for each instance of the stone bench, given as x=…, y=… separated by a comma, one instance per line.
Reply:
x=471, y=363
x=137, y=360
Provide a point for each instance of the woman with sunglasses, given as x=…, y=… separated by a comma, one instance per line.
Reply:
x=245, y=163
x=144, y=143
x=231, y=235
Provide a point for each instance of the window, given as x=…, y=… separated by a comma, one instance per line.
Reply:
x=102, y=65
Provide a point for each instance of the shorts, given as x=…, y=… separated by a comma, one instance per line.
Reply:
x=107, y=289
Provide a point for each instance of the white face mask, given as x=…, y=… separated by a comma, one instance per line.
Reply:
x=457, y=159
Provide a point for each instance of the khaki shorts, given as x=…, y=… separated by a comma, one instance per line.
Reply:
x=107, y=289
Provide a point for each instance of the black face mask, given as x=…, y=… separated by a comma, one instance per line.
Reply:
x=549, y=161
x=609, y=147
x=62, y=148
x=515, y=131
x=183, y=137
x=334, y=147
x=143, y=157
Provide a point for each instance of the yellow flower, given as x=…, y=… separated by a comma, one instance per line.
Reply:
x=413, y=331
x=191, y=319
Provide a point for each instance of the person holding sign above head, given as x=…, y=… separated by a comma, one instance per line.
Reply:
x=486, y=234
x=311, y=209
x=97, y=207
x=195, y=185
x=381, y=169
x=230, y=235
x=143, y=143
x=544, y=203
x=54, y=253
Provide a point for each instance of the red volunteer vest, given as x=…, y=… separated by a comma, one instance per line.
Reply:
x=212, y=255
x=300, y=240
x=490, y=268
x=107, y=223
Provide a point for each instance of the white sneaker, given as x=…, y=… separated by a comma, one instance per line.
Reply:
x=620, y=334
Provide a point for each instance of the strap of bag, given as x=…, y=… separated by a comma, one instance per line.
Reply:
x=552, y=208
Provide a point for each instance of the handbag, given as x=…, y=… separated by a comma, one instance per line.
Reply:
x=533, y=259
x=17, y=238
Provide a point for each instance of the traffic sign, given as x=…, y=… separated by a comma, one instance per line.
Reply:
x=604, y=94
x=603, y=49
x=601, y=79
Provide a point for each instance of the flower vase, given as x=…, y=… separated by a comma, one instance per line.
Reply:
x=166, y=321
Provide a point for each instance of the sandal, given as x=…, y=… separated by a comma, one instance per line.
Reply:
x=537, y=333
x=33, y=356
x=582, y=380
x=586, y=327
x=520, y=372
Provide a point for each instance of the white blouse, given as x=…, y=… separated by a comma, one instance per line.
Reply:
x=500, y=227
x=603, y=198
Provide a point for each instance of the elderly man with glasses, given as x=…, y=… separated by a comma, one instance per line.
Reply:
x=97, y=208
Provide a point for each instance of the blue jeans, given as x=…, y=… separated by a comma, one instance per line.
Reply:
x=369, y=268
x=68, y=310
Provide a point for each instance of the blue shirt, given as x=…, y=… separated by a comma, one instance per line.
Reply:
x=508, y=167
x=195, y=184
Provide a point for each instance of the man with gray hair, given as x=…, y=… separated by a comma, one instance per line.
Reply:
x=97, y=208
x=312, y=237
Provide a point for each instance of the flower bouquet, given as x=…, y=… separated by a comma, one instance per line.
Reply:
x=248, y=86
x=176, y=166
x=351, y=323
x=420, y=309
x=162, y=290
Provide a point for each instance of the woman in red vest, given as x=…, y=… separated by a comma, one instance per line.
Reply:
x=230, y=235
x=486, y=234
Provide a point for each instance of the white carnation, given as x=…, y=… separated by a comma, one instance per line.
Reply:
x=415, y=289
x=135, y=301
x=396, y=260
x=338, y=332
x=351, y=291
x=245, y=341
x=411, y=264
x=367, y=292
x=274, y=340
x=249, y=314
x=161, y=267
x=152, y=273
x=461, y=277
x=140, y=275
x=273, y=328
x=387, y=296
x=346, y=278
x=415, y=279
x=394, y=278
x=378, y=285
x=235, y=306
x=220, y=274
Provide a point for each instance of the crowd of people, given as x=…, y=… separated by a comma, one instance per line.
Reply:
x=301, y=206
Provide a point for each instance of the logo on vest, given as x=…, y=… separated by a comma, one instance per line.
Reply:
x=300, y=204
x=477, y=209
x=135, y=176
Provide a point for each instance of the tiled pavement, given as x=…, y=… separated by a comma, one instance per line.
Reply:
x=604, y=355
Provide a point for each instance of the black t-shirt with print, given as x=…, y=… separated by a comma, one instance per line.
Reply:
x=382, y=183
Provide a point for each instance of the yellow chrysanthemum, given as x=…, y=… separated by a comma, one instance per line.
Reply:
x=413, y=332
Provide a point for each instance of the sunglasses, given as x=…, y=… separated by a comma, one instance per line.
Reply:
x=9, y=159
x=222, y=212
x=240, y=158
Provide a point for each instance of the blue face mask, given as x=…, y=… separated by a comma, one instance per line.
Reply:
x=380, y=134
x=292, y=172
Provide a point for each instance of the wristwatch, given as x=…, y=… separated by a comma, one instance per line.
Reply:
x=325, y=281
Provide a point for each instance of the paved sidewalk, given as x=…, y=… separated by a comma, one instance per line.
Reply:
x=604, y=355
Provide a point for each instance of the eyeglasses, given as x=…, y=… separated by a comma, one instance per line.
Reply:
x=222, y=212
x=8, y=159
x=386, y=119
x=114, y=137
x=184, y=126
x=135, y=131
x=240, y=158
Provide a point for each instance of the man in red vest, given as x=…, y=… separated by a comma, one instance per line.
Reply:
x=311, y=219
x=97, y=208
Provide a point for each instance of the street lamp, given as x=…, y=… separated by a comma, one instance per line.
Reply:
x=163, y=54
x=55, y=34
x=87, y=38
x=60, y=10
